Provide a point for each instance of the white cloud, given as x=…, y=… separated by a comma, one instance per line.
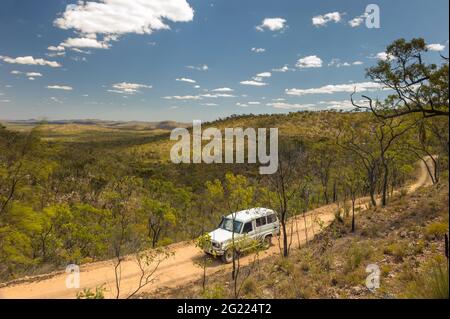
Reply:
x=253, y=83
x=56, y=48
x=113, y=18
x=338, y=88
x=184, y=97
x=29, y=60
x=117, y=17
x=436, y=47
x=209, y=104
x=216, y=95
x=383, y=56
x=6, y=101
x=254, y=103
x=323, y=20
x=203, y=67
x=283, y=69
x=225, y=89
x=264, y=75
x=345, y=105
x=186, y=80
x=91, y=43
x=272, y=24
x=338, y=63
x=288, y=106
x=56, y=100
x=128, y=88
x=60, y=87
x=311, y=61
x=258, y=50
x=33, y=74
x=241, y=104
x=357, y=21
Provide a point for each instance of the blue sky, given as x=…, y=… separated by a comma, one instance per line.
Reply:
x=138, y=60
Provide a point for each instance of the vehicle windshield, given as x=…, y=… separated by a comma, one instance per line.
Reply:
x=227, y=224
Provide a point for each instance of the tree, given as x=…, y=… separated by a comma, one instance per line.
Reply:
x=205, y=244
x=418, y=87
x=284, y=184
x=354, y=182
x=160, y=217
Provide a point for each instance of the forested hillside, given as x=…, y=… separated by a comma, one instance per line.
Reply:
x=78, y=193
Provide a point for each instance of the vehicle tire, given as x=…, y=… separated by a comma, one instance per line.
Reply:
x=267, y=242
x=227, y=257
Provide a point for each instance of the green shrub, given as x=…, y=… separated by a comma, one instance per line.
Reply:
x=214, y=292
x=436, y=230
x=89, y=294
x=249, y=286
x=432, y=283
x=355, y=255
x=399, y=250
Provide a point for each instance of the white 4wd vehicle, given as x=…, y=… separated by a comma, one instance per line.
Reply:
x=256, y=225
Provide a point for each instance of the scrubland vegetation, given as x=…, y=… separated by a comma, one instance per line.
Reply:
x=77, y=194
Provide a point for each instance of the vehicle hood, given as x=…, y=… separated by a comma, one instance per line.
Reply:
x=221, y=235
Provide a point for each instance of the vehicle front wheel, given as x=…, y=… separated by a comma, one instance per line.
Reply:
x=227, y=257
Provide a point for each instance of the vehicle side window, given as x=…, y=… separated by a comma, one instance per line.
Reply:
x=271, y=219
x=248, y=227
x=261, y=222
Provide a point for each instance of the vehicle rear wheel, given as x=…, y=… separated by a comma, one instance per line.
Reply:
x=227, y=257
x=267, y=242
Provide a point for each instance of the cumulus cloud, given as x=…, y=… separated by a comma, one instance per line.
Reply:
x=283, y=69
x=187, y=80
x=289, y=106
x=253, y=83
x=224, y=89
x=258, y=50
x=118, y=17
x=128, y=88
x=383, y=56
x=217, y=95
x=264, y=75
x=345, y=105
x=29, y=60
x=60, y=87
x=436, y=47
x=183, y=97
x=336, y=88
x=357, y=21
x=113, y=18
x=323, y=20
x=338, y=63
x=56, y=48
x=312, y=61
x=90, y=43
x=209, y=104
x=203, y=67
x=272, y=24
x=30, y=75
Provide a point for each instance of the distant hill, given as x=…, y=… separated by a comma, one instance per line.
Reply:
x=90, y=125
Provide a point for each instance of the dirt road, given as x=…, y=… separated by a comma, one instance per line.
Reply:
x=175, y=271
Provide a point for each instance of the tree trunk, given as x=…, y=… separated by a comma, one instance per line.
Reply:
x=353, y=216
x=385, y=184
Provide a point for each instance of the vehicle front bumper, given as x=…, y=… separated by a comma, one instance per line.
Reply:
x=214, y=250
